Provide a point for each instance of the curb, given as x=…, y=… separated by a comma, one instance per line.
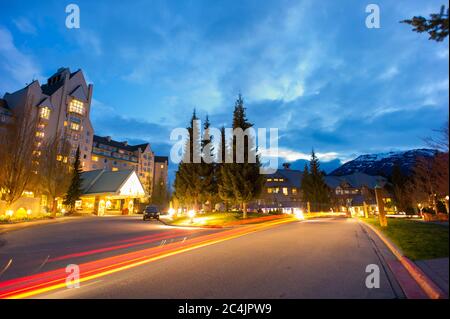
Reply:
x=427, y=285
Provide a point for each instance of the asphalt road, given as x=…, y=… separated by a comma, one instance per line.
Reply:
x=43, y=248
x=323, y=258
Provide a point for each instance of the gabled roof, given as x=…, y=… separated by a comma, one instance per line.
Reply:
x=291, y=178
x=79, y=94
x=45, y=102
x=161, y=159
x=110, y=142
x=104, y=182
x=142, y=147
x=355, y=180
x=49, y=89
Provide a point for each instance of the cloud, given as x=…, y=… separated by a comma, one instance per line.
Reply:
x=389, y=73
x=88, y=41
x=18, y=68
x=25, y=26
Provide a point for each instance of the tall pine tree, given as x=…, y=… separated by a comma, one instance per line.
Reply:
x=242, y=180
x=74, y=192
x=224, y=184
x=314, y=189
x=188, y=180
x=208, y=185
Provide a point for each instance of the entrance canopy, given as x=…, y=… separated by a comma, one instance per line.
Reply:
x=118, y=184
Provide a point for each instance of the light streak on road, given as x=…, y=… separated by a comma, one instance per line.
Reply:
x=33, y=285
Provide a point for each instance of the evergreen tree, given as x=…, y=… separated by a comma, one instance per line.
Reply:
x=306, y=185
x=208, y=179
x=188, y=177
x=242, y=180
x=398, y=187
x=159, y=197
x=74, y=192
x=315, y=190
x=224, y=184
x=436, y=26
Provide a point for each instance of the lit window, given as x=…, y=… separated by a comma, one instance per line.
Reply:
x=95, y=158
x=74, y=126
x=45, y=113
x=269, y=179
x=285, y=191
x=76, y=106
x=59, y=158
x=294, y=191
x=40, y=134
x=162, y=165
x=269, y=190
x=115, y=169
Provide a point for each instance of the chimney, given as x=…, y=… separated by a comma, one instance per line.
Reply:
x=286, y=165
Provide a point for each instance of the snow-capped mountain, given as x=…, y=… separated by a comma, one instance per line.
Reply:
x=382, y=163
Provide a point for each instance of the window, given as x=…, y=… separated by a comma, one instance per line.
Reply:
x=294, y=191
x=285, y=191
x=44, y=113
x=162, y=165
x=59, y=158
x=115, y=169
x=40, y=134
x=74, y=126
x=269, y=179
x=76, y=106
x=95, y=158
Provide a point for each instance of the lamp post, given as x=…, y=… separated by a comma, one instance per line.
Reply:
x=420, y=209
x=380, y=204
x=446, y=203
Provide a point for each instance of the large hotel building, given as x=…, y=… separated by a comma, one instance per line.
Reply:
x=63, y=106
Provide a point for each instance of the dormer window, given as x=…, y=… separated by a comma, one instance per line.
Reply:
x=76, y=106
x=44, y=113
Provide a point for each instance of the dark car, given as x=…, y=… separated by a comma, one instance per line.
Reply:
x=151, y=212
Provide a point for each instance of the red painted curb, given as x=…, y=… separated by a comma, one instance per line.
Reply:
x=427, y=285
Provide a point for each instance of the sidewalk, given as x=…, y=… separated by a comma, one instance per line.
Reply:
x=4, y=228
x=419, y=280
x=437, y=270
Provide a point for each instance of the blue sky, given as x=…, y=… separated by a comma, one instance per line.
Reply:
x=310, y=68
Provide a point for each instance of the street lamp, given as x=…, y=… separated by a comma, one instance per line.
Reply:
x=420, y=209
x=191, y=215
x=446, y=203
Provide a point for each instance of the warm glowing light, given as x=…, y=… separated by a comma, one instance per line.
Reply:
x=171, y=212
x=299, y=214
x=191, y=213
x=63, y=211
x=29, y=212
x=9, y=212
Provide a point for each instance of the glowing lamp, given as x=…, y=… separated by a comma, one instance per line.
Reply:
x=191, y=213
x=299, y=214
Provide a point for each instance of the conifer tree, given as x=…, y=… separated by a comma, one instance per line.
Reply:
x=74, y=192
x=242, y=180
x=188, y=177
x=208, y=185
x=315, y=190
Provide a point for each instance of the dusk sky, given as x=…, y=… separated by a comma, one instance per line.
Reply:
x=309, y=68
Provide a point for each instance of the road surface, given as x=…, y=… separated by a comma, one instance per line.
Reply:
x=322, y=258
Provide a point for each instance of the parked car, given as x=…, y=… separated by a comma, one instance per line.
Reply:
x=150, y=212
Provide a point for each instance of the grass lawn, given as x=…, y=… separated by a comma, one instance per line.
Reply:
x=417, y=240
x=213, y=219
